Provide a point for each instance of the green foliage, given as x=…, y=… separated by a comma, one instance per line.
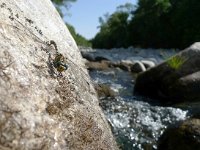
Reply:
x=149, y=25
x=154, y=23
x=62, y=3
x=176, y=62
x=113, y=29
x=186, y=19
x=113, y=33
x=80, y=40
x=166, y=23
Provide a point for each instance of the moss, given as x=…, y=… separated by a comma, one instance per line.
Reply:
x=176, y=62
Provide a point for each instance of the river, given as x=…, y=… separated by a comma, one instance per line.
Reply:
x=137, y=122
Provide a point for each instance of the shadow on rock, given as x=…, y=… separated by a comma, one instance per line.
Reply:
x=184, y=136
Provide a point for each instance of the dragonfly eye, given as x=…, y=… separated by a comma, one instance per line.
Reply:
x=65, y=66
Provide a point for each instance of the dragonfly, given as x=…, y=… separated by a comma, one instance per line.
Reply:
x=57, y=62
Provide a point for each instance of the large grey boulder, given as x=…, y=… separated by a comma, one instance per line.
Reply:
x=43, y=105
x=175, y=80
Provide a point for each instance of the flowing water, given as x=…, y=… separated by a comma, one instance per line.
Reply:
x=137, y=122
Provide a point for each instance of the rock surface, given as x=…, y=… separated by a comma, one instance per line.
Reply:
x=123, y=65
x=104, y=90
x=185, y=136
x=41, y=108
x=175, y=80
x=130, y=66
x=103, y=65
x=148, y=64
x=138, y=67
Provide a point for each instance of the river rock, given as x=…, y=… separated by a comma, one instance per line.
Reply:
x=104, y=90
x=123, y=65
x=184, y=136
x=88, y=56
x=91, y=57
x=103, y=65
x=101, y=58
x=175, y=80
x=148, y=64
x=138, y=67
x=43, y=105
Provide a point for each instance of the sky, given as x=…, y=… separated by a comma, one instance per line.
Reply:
x=85, y=14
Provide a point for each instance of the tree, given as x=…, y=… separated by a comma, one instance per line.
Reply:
x=113, y=29
x=112, y=33
x=186, y=21
x=149, y=24
x=62, y=3
x=80, y=40
x=165, y=23
x=128, y=7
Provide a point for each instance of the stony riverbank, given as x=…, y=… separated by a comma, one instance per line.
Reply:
x=135, y=119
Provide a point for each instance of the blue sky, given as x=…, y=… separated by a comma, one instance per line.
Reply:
x=85, y=14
